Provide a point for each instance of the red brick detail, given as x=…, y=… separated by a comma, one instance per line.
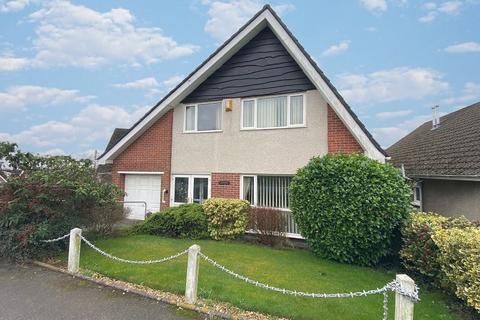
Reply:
x=340, y=140
x=152, y=151
x=225, y=185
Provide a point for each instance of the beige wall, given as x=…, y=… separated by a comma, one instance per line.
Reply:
x=272, y=151
x=452, y=198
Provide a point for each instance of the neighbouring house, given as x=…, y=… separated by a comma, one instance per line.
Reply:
x=239, y=126
x=442, y=157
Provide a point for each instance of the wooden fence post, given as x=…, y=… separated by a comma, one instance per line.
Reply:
x=74, y=250
x=192, y=274
x=403, y=304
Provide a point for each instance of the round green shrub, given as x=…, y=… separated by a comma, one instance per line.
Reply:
x=184, y=221
x=348, y=207
x=227, y=218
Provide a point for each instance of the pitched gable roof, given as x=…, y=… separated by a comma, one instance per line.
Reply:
x=452, y=149
x=117, y=135
x=265, y=17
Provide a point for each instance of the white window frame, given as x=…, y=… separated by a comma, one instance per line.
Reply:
x=191, y=178
x=255, y=100
x=195, y=105
x=417, y=202
x=255, y=186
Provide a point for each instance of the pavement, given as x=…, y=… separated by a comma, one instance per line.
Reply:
x=33, y=293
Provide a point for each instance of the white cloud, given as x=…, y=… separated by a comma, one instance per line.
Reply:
x=389, y=135
x=470, y=93
x=391, y=85
x=93, y=123
x=226, y=17
x=9, y=63
x=393, y=114
x=464, y=47
x=67, y=34
x=375, y=5
x=21, y=97
x=13, y=5
x=171, y=82
x=54, y=152
x=434, y=10
x=337, y=48
x=149, y=82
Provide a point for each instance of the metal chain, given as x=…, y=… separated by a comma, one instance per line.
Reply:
x=385, y=305
x=108, y=255
x=56, y=239
x=391, y=286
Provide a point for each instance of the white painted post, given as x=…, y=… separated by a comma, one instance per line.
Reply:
x=192, y=274
x=403, y=304
x=74, y=250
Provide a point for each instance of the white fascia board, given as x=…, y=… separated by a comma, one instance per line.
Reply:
x=189, y=85
x=330, y=97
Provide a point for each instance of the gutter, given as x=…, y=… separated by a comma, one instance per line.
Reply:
x=446, y=177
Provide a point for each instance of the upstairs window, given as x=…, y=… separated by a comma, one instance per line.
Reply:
x=273, y=112
x=203, y=117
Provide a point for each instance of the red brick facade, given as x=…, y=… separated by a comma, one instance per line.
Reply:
x=340, y=140
x=152, y=151
x=225, y=185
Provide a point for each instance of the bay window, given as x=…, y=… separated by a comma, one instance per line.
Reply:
x=203, y=117
x=273, y=112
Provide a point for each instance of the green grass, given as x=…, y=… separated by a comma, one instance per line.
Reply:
x=289, y=268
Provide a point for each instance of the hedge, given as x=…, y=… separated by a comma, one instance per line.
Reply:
x=349, y=207
x=184, y=221
x=419, y=253
x=459, y=258
x=227, y=218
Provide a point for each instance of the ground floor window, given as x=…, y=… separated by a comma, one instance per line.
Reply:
x=190, y=189
x=266, y=190
x=417, y=195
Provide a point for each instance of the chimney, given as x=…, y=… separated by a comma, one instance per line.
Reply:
x=436, y=118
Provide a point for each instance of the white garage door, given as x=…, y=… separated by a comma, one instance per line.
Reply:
x=145, y=188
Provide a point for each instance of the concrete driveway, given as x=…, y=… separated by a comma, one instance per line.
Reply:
x=30, y=292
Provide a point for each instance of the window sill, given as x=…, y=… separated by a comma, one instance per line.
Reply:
x=273, y=128
x=206, y=131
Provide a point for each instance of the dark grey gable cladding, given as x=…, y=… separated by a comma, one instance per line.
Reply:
x=262, y=67
x=266, y=7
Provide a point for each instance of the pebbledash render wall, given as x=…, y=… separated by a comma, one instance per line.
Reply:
x=152, y=151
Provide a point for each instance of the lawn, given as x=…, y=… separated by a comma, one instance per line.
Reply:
x=288, y=268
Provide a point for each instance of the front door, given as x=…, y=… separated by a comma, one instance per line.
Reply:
x=190, y=189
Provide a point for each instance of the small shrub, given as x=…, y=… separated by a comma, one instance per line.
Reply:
x=184, y=221
x=227, y=218
x=102, y=219
x=419, y=252
x=459, y=258
x=269, y=224
x=349, y=206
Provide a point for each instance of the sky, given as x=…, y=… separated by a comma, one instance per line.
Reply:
x=71, y=71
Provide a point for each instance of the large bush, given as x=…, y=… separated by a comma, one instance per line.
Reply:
x=227, y=218
x=419, y=252
x=51, y=196
x=348, y=207
x=459, y=258
x=184, y=221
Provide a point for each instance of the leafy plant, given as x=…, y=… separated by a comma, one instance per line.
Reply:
x=269, y=224
x=349, y=206
x=419, y=252
x=459, y=258
x=184, y=221
x=227, y=218
x=51, y=196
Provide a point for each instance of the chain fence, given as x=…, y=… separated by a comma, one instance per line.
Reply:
x=393, y=286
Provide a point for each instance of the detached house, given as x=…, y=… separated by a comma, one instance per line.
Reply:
x=239, y=126
x=443, y=158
